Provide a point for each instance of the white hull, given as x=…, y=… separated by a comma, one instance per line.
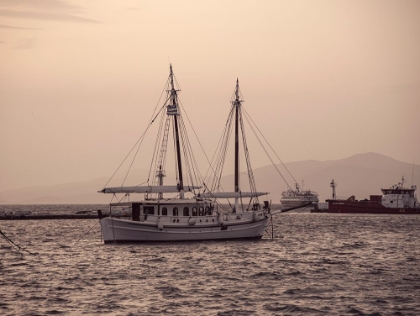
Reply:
x=124, y=230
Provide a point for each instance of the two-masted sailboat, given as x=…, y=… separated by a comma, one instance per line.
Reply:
x=200, y=216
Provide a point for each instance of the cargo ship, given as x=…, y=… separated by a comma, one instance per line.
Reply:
x=395, y=200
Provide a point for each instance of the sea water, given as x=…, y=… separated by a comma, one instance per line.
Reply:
x=316, y=264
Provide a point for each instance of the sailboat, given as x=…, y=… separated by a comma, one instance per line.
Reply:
x=200, y=216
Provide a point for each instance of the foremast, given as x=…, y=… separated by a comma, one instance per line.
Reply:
x=169, y=119
x=172, y=109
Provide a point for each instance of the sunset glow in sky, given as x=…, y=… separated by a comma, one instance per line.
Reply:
x=322, y=79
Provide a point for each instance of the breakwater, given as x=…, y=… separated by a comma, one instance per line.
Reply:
x=53, y=216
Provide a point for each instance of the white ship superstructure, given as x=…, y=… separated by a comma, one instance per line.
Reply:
x=294, y=198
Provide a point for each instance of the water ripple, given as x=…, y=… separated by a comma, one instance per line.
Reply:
x=324, y=264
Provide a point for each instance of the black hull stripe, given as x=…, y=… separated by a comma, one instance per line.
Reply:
x=176, y=241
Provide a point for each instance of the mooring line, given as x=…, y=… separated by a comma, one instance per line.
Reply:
x=85, y=233
x=13, y=244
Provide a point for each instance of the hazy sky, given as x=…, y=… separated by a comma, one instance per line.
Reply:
x=322, y=79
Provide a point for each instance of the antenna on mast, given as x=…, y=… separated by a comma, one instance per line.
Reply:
x=333, y=185
x=412, y=173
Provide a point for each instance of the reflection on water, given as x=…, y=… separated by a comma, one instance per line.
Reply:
x=319, y=264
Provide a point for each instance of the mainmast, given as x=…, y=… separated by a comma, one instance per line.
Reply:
x=237, y=104
x=173, y=110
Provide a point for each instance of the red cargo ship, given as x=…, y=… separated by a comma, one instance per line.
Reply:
x=395, y=200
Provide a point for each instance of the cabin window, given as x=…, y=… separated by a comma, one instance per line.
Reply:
x=149, y=210
x=194, y=211
x=175, y=211
x=208, y=210
x=186, y=211
x=201, y=211
x=165, y=211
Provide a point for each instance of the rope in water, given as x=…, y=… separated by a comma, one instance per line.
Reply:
x=15, y=246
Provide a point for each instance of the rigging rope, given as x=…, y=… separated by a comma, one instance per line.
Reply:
x=251, y=178
x=214, y=171
x=152, y=119
x=191, y=162
x=201, y=146
x=272, y=162
x=85, y=233
x=156, y=149
x=222, y=152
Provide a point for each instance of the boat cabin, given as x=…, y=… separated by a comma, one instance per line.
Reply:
x=399, y=197
x=171, y=208
x=410, y=192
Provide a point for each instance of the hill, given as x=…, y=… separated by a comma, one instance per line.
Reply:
x=360, y=175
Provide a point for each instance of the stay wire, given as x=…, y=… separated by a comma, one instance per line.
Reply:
x=159, y=144
x=144, y=133
x=265, y=150
x=193, y=160
x=271, y=147
x=251, y=178
x=85, y=233
x=211, y=167
x=185, y=150
x=196, y=136
x=225, y=147
x=221, y=158
x=154, y=160
x=203, y=179
x=193, y=170
x=138, y=148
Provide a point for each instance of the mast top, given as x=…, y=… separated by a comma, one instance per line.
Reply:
x=171, y=75
x=237, y=100
x=172, y=89
x=237, y=90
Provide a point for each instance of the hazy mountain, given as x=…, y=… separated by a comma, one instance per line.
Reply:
x=78, y=193
x=360, y=175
